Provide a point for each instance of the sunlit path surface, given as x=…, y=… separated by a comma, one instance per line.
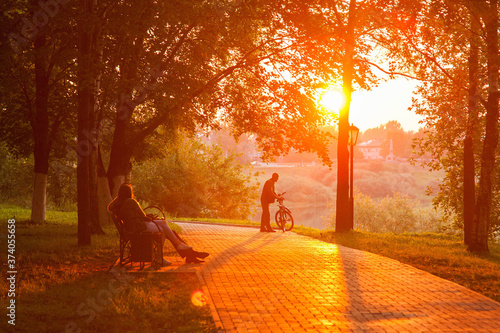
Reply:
x=275, y=282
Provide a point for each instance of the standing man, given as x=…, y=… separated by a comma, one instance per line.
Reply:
x=268, y=197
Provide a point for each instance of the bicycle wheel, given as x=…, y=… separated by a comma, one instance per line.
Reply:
x=284, y=220
x=278, y=218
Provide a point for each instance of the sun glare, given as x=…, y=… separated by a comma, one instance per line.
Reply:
x=332, y=100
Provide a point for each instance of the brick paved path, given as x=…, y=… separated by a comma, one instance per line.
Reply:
x=263, y=282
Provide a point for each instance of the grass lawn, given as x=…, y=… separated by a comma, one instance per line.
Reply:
x=61, y=287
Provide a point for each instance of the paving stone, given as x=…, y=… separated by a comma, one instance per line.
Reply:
x=284, y=282
x=300, y=284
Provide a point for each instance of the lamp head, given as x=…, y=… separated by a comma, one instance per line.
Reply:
x=353, y=135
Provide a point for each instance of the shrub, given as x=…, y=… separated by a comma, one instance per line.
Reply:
x=16, y=178
x=396, y=214
x=16, y=181
x=197, y=180
x=385, y=184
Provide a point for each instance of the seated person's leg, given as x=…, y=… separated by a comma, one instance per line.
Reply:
x=169, y=234
x=151, y=227
x=183, y=249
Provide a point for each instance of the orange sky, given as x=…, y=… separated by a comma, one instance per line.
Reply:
x=389, y=101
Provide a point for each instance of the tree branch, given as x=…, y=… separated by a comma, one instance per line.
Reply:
x=436, y=63
x=386, y=71
x=242, y=63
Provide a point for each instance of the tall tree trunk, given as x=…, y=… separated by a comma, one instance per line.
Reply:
x=95, y=157
x=85, y=112
x=479, y=243
x=104, y=194
x=119, y=161
x=343, y=215
x=40, y=126
x=95, y=223
x=121, y=147
x=469, y=195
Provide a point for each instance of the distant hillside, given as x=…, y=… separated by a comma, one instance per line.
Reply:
x=310, y=189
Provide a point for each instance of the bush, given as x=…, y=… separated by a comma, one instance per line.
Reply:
x=16, y=178
x=396, y=214
x=197, y=180
x=61, y=186
x=380, y=185
x=16, y=181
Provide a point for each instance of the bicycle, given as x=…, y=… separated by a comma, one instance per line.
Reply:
x=283, y=216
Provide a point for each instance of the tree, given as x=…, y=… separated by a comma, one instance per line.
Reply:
x=443, y=75
x=87, y=89
x=156, y=86
x=346, y=36
x=392, y=130
x=309, y=42
x=178, y=65
x=469, y=196
x=35, y=92
x=482, y=215
x=438, y=53
x=343, y=218
x=194, y=179
x=401, y=140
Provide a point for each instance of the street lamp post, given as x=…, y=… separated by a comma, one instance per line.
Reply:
x=353, y=137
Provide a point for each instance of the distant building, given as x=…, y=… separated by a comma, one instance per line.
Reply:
x=391, y=157
x=370, y=149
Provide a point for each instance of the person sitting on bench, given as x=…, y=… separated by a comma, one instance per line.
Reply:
x=126, y=208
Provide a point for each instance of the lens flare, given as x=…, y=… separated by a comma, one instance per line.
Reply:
x=198, y=298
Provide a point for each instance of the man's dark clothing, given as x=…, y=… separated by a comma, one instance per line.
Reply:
x=268, y=194
x=268, y=197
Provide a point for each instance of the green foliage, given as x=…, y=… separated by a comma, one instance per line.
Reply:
x=456, y=60
x=385, y=184
x=396, y=214
x=302, y=185
x=61, y=185
x=379, y=179
x=37, y=70
x=16, y=181
x=375, y=179
x=15, y=177
x=239, y=52
x=194, y=179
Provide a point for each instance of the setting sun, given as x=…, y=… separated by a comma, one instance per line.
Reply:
x=332, y=100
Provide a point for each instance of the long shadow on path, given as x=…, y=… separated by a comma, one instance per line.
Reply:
x=287, y=282
x=383, y=292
